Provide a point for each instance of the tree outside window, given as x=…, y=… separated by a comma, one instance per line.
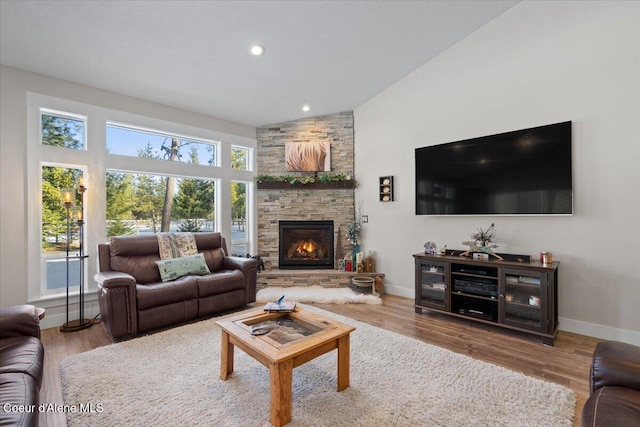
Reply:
x=239, y=158
x=54, y=224
x=61, y=131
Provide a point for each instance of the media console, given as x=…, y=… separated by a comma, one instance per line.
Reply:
x=515, y=295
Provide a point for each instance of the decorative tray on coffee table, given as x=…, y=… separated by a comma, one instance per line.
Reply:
x=284, y=329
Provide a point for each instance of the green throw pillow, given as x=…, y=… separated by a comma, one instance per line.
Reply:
x=171, y=269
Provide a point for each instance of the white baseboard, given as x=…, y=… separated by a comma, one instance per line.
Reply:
x=568, y=325
x=599, y=331
x=399, y=291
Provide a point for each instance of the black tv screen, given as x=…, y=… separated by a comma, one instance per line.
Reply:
x=524, y=172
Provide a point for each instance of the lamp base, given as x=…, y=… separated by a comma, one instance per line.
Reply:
x=76, y=325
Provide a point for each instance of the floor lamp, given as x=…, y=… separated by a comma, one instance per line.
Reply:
x=76, y=214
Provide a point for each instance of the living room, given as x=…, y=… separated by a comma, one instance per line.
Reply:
x=534, y=64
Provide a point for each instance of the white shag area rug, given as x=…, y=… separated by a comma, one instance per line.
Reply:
x=172, y=378
x=316, y=294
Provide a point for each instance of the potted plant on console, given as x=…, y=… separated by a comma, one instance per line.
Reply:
x=481, y=243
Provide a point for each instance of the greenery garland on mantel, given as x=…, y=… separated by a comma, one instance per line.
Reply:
x=319, y=182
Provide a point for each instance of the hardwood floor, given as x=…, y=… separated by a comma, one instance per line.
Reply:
x=566, y=363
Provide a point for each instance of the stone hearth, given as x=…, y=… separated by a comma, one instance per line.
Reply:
x=325, y=278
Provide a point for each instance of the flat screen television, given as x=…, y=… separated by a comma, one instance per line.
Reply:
x=524, y=172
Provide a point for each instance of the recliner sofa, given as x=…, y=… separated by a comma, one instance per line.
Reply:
x=615, y=386
x=21, y=365
x=133, y=299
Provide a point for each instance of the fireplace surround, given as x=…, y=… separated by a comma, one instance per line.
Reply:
x=303, y=202
x=305, y=245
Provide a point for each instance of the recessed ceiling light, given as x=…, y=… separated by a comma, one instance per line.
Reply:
x=256, y=50
x=305, y=108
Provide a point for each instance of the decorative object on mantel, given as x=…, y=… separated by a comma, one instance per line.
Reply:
x=369, y=263
x=348, y=262
x=386, y=188
x=319, y=182
x=353, y=235
x=481, y=243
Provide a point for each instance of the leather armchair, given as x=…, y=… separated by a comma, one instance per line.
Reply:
x=615, y=386
x=21, y=365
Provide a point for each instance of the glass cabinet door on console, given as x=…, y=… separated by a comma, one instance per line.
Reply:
x=431, y=284
x=524, y=299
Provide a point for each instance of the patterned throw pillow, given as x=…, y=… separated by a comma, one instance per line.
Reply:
x=174, y=245
x=171, y=269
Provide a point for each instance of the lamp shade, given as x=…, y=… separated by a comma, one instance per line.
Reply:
x=67, y=195
x=77, y=213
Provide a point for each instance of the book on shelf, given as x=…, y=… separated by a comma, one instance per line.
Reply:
x=280, y=307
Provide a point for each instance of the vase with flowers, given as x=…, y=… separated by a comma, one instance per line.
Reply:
x=353, y=235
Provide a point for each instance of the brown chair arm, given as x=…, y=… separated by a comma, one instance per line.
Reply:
x=19, y=320
x=615, y=364
x=239, y=263
x=117, y=298
x=114, y=279
x=249, y=266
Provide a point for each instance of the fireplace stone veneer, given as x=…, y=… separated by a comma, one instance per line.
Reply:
x=305, y=245
x=304, y=202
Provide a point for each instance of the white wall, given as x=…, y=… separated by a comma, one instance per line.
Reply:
x=538, y=63
x=14, y=253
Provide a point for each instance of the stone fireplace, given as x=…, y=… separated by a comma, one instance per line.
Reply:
x=304, y=203
x=305, y=245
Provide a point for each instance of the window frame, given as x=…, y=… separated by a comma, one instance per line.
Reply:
x=216, y=182
x=44, y=258
x=64, y=115
x=249, y=157
x=250, y=218
x=94, y=161
x=135, y=128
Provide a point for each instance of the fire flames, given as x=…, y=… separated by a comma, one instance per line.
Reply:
x=307, y=249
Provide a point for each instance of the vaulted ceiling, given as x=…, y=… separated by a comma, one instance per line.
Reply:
x=194, y=55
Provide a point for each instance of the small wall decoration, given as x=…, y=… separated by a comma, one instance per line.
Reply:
x=307, y=156
x=386, y=188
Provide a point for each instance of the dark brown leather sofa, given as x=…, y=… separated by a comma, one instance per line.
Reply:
x=21, y=365
x=133, y=299
x=615, y=386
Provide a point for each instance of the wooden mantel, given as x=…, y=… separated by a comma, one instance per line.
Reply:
x=318, y=185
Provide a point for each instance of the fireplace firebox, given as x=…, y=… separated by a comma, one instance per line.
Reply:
x=305, y=245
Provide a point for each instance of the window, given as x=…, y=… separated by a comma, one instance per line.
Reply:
x=240, y=158
x=136, y=142
x=62, y=129
x=140, y=203
x=144, y=175
x=239, y=240
x=60, y=235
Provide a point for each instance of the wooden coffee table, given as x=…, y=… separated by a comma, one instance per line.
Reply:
x=289, y=340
